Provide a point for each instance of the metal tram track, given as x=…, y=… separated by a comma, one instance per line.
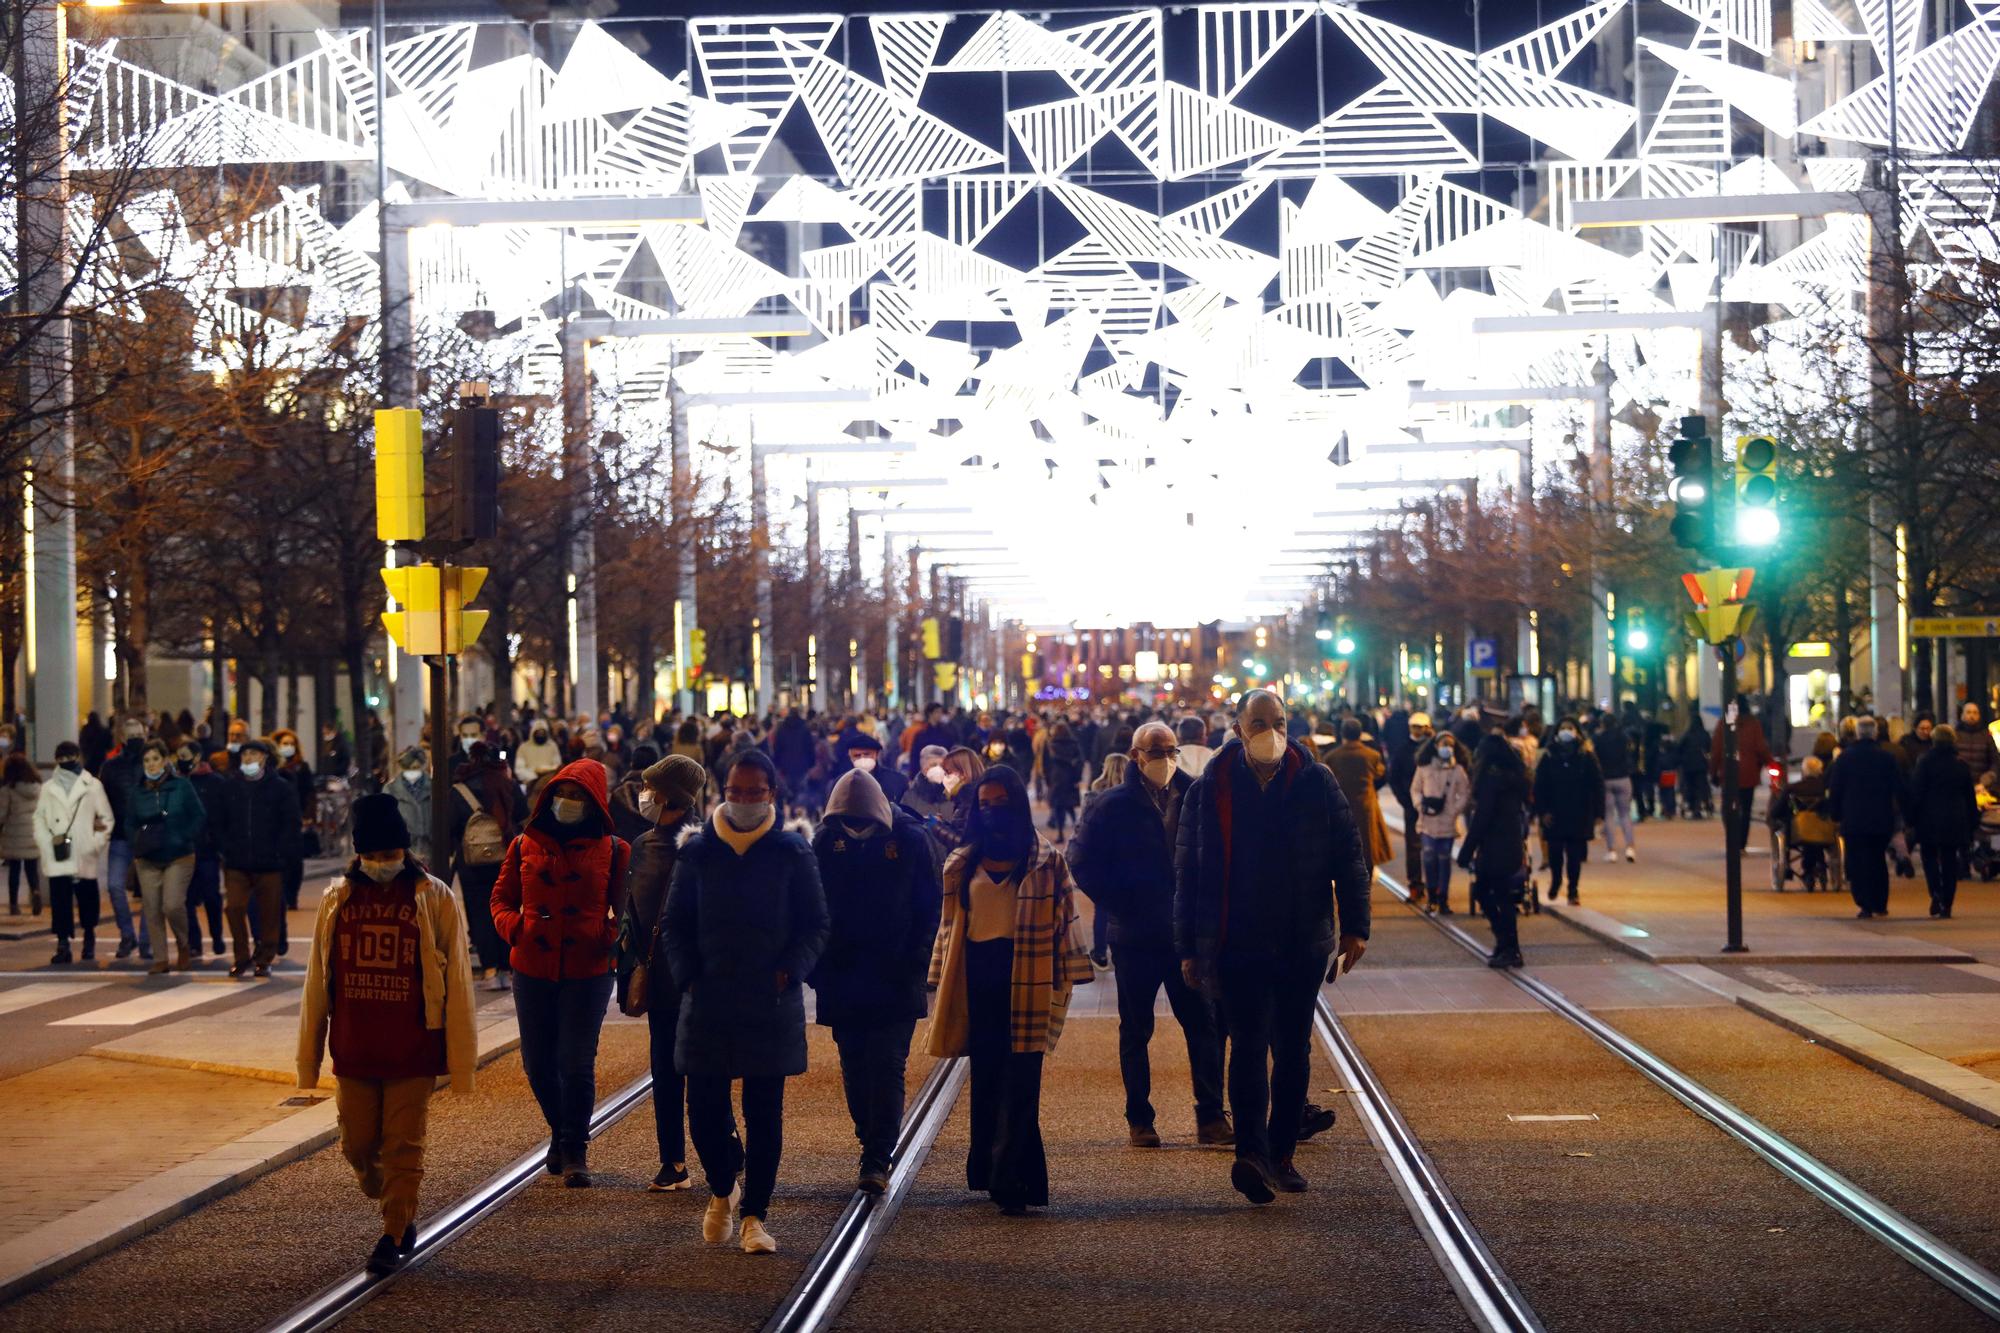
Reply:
x=335, y=1302
x=1490, y=1297
x=1943, y=1262
x=822, y=1290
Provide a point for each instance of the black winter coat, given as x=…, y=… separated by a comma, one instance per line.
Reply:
x=1123, y=858
x=1313, y=845
x=1495, y=844
x=258, y=828
x=882, y=899
x=733, y=924
x=1569, y=793
x=1062, y=771
x=120, y=775
x=208, y=785
x=1942, y=808
x=1865, y=789
x=1614, y=752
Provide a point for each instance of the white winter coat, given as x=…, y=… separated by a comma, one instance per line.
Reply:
x=1440, y=780
x=76, y=803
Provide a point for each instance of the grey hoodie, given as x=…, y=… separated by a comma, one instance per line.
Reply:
x=857, y=796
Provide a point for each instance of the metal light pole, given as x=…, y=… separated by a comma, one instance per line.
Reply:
x=686, y=610
x=44, y=271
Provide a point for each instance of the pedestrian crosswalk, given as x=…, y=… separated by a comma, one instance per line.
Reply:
x=149, y=1005
x=42, y=992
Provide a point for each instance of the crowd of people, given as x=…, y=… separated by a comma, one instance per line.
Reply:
x=707, y=874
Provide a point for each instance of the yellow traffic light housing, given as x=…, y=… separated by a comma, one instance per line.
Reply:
x=434, y=620
x=1756, y=490
x=933, y=639
x=399, y=474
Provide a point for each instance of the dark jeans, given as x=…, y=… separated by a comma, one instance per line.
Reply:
x=1268, y=1003
x=1868, y=872
x=65, y=890
x=14, y=872
x=560, y=1021
x=1941, y=874
x=663, y=1016
x=1416, y=872
x=1437, y=869
x=205, y=895
x=118, y=888
x=1140, y=973
x=1005, y=1158
x=1497, y=899
x=1741, y=832
x=1645, y=794
x=872, y=1059
x=724, y=1154
x=478, y=881
x=1100, y=931
x=1566, y=858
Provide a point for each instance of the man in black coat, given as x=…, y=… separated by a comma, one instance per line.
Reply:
x=1123, y=859
x=1864, y=792
x=1266, y=845
x=258, y=835
x=1402, y=743
x=120, y=775
x=862, y=753
x=1569, y=800
x=882, y=902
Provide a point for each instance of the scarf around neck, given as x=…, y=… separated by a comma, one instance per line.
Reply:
x=742, y=841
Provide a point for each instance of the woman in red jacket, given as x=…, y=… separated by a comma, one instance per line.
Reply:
x=554, y=904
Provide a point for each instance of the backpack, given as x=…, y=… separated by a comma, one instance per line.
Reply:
x=483, y=843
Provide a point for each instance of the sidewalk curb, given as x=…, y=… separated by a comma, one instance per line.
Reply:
x=1971, y=1095
x=47, y=1253
x=1615, y=933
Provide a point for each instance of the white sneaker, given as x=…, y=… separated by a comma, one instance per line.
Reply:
x=718, y=1220
x=1630, y=855
x=756, y=1240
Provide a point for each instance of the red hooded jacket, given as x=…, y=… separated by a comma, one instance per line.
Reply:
x=555, y=901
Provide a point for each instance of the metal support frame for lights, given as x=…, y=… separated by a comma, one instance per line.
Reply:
x=695, y=326
x=779, y=397
x=815, y=571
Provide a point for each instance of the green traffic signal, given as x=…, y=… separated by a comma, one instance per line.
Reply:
x=1756, y=490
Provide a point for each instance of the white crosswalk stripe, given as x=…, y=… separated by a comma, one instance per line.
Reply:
x=149, y=1006
x=41, y=992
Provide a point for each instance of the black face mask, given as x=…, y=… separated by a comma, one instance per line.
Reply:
x=184, y=766
x=71, y=766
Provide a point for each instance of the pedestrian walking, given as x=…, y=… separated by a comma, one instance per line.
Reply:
x=1944, y=816
x=259, y=838
x=487, y=814
x=1695, y=799
x=1403, y=744
x=746, y=922
x=73, y=821
x=1005, y=960
x=166, y=820
x=1195, y=751
x=1617, y=766
x=1568, y=801
x=1495, y=846
x=1123, y=858
x=1976, y=746
x=1062, y=770
x=1360, y=770
x=672, y=798
x=291, y=765
x=388, y=994
x=204, y=896
x=119, y=774
x=412, y=789
x=555, y=903
x=1753, y=756
x=1262, y=834
x=20, y=794
x=881, y=890
x=1111, y=778
x=1442, y=793
x=1865, y=791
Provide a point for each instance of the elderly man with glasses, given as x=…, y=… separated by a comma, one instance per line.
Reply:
x=1123, y=859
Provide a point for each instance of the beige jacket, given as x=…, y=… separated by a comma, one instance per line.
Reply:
x=447, y=982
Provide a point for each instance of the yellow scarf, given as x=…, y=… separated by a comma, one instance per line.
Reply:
x=743, y=841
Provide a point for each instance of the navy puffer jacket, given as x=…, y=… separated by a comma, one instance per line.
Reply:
x=882, y=899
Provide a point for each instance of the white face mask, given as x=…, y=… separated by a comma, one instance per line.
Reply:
x=745, y=815
x=6, y=744
x=568, y=809
x=1157, y=771
x=1444, y=753
x=252, y=769
x=952, y=782
x=413, y=774
x=1266, y=747
x=287, y=751
x=936, y=774
x=234, y=746
x=466, y=743
x=864, y=763
x=382, y=869
x=155, y=771
x=649, y=806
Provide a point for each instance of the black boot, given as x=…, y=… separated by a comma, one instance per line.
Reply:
x=62, y=957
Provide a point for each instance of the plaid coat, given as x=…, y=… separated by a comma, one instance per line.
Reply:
x=1049, y=958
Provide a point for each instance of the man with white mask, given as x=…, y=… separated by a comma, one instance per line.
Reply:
x=864, y=755
x=1266, y=845
x=1123, y=860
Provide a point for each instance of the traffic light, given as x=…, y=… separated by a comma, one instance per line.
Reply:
x=1756, y=490
x=697, y=651
x=472, y=505
x=1637, y=638
x=1343, y=637
x=434, y=620
x=933, y=640
x=1692, y=458
x=399, y=474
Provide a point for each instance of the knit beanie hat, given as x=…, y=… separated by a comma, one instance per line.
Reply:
x=678, y=780
x=378, y=825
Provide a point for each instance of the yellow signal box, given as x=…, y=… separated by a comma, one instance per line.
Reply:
x=434, y=620
x=933, y=639
x=1721, y=612
x=697, y=650
x=945, y=674
x=399, y=474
